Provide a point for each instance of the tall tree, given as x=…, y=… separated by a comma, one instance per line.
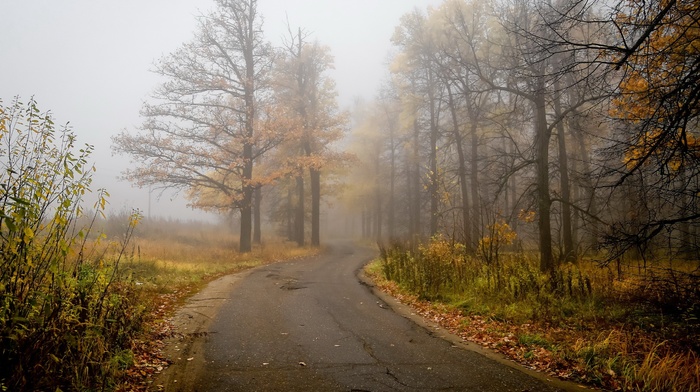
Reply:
x=388, y=106
x=462, y=30
x=200, y=133
x=303, y=86
x=416, y=70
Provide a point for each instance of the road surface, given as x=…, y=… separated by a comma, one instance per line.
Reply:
x=312, y=325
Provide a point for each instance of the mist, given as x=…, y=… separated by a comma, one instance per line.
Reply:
x=439, y=122
x=91, y=65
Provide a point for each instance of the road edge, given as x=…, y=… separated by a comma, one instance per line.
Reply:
x=191, y=325
x=436, y=330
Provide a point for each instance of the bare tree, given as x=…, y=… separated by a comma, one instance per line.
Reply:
x=200, y=133
x=657, y=110
x=417, y=71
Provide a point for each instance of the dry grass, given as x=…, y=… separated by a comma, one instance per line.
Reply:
x=167, y=266
x=179, y=262
x=665, y=372
x=171, y=260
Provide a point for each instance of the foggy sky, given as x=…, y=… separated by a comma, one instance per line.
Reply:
x=89, y=63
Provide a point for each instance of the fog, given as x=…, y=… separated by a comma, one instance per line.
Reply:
x=89, y=64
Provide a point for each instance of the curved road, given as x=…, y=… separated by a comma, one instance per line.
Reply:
x=311, y=325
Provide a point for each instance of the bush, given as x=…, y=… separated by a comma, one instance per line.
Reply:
x=66, y=312
x=442, y=269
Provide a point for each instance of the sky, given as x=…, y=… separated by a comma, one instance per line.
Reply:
x=89, y=62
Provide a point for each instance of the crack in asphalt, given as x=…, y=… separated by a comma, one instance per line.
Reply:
x=293, y=286
x=368, y=349
x=396, y=379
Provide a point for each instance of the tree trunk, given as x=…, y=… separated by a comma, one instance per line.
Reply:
x=461, y=173
x=586, y=183
x=567, y=236
x=250, y=113
x=300, y=213
x=363, y=223
x=474, y=182
x=391, y=206
x=542, y=136
x=433, y=175
x=415, y=188
x=575, y=195
x=392, y=185
x=290, y=214
x=246, y=221
x=245, y=238
x=257, y=230
x=315, y=175
x=378, y=212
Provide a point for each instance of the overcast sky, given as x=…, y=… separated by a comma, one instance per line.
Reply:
x=89, y=62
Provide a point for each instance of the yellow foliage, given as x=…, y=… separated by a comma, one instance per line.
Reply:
x=652, y=90
x=500, y=234
x=527, y=216
x=439, y=248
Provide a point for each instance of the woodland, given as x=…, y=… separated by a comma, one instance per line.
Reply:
x=535, y=165
x=528, y=168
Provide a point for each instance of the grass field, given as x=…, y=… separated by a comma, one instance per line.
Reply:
x=166, y=256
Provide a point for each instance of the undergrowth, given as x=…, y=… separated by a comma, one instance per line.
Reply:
x=581, y=322
x=67, y=314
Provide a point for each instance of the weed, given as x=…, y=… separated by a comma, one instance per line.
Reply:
x=533, y=340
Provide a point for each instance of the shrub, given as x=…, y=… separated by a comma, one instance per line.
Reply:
x=66, y=313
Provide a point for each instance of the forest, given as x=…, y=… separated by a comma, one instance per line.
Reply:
x=527, y=167
x=531, y=162
x=573, y=117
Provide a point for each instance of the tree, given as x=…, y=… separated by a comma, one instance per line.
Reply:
x=388, y=105
x=658, y=105
x=415, y=68
x=462, y=31
x=201, y=134
x=303, y=88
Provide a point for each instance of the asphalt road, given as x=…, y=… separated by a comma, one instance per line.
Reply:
x=311, y=325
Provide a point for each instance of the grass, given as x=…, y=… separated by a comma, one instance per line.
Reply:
x=167, y=267
x=607, y=327
x=178, y=258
